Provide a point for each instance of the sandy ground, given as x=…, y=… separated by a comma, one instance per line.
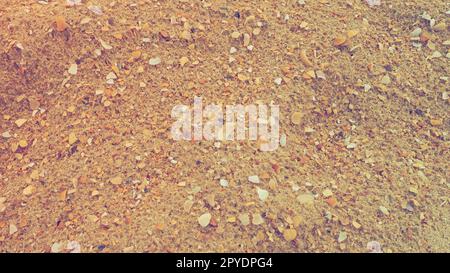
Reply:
x=86, y=159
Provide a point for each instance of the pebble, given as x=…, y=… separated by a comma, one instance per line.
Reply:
x=306, y=199
x=6, y=134
x=374, y=247
x=278, y=81
x=235, y=34
x=283, y=140
x=56, y=247
x=384, y=210
x=154, y=61
x=23, y=143
x=186, y=35
x=342, y=236
x=289, y=234
x=61, y=24
x=304, y=58
x=309, y=75
x=244, y=218
x=356, y=225
x=204, y=219
x=20, y=122
x=442, y=26
x=296, y=118
x=327, y=193
x=262, y=194
x=223, y=182
x=416, y=32
x=183, y=61
x=332, y=202
x=29, y=190
x=72, y=138
x=111, y=76
x=2, y=205
x=73, y=69
x=73, y=247
x=257, y=219
x=12, y=229
x=105, y=45
x=386, y=80
x=116, y=180
x=414, y=190
x=254, y=179
x=95, y=9
x=339, y=41
x=188, y=205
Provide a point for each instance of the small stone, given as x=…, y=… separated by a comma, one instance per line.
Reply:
x=188, y=205
x=154, y=61
x=352, y=33
x=283, y=140
x=223, y=182
x=416, y=32
x=339, y=41
x=309, y=75
x=262, y=194
x=92, y=218
x=278, y=81
x=95, y=9
x=61, y=24
x=386, y=80
x=105, y=45
x=73, y=69
x=244, y=218
x=254, y=179
x=111, y=76
x=332, y=202
x=384, y=210
x=73, y=247
x=289, y=234
x=306, y=199
x=297, y=220
x=6, y=134
x=342, y=236
x=309, y=130
x=304, y=58
x=235, y=34
x=183, y=61
x=20, y=122
x=29, y=190
x=72, y=138
x=56, y=247
x=351, y=146
x=23, y=143
x=436, y=122
x=296, y=118
x=321, y=75
x=186, y=35
x=374, y=247
x=12, y=229
x=257, y=219
x=327, y=193
x=116, y=180
x=356, y=225
x=414, y=190
x=246, y=39
x=204, y=219
x=442, y=26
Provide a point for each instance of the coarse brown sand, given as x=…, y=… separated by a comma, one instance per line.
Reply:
x=87, y=162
